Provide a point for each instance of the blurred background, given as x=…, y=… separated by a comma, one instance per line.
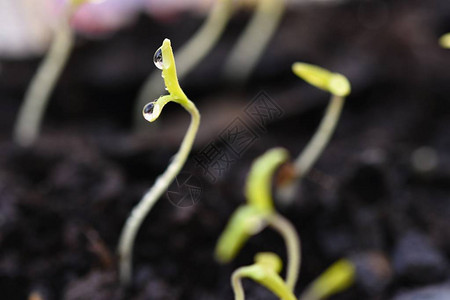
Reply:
x=379, y=195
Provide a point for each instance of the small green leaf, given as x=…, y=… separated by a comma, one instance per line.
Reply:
x=258, y=190
x=169, y=73
x=245, y=222
x=334, y=83
x=338, y=277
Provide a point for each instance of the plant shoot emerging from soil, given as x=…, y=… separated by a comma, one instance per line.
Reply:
x=192, y=52
x=264, y=271
x=165, y=61
x=259, y=212
x=339, y=87
x=337, y=278
x=28, y=123
x=444, y=41
x=253, y=41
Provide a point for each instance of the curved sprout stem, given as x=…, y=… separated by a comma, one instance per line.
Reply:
x=28, y=123
x=191, y=53
x=292, y=241
x=236, y=283
x=254, y=39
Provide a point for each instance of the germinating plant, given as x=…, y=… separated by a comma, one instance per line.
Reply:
x=192, y=52
x=28, y=123
x=444, y=41
x=258, y=213
x=253, y=41
x=339, y=87
x=264, y=271
x=165, y=61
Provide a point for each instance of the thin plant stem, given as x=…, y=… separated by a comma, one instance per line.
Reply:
x=191, y=53
x=161, y=184
x=236, y=283
x=254, y=39
x=292, y=241
x=321, y=138
x=28, y=123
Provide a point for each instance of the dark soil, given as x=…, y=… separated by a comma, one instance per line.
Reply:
x=63, y=201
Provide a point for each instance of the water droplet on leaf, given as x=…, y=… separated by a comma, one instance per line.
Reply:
x=148, y=110
x=158, y=59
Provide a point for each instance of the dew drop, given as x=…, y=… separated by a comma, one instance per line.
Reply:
x=148, y=110
x=158, y=59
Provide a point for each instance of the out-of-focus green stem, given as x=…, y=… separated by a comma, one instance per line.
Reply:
x=28, y=123
x=315, y=147
x=339, y=87
x=254, y=39
x=292, y=241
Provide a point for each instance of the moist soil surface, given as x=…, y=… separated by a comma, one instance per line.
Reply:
x=379, y=195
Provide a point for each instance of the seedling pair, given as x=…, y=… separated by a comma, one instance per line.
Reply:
x=28, y=123
x=165, y=61
x=258, y=213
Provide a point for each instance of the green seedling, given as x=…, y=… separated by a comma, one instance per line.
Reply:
x=191, y=54
x=264, y=271
x=165, y=61
x=258, y=213
x=444, y=41
x=337, y=278
x=253, y=41
x=28, y=123
x=339, y=87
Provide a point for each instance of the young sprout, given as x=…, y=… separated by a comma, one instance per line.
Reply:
x=339, y=87
x=337, y=278
x=28, y=123
x=165, y=61
x=192, y=52
x=253, y=41
x=444, y=41
x=264, y=271
x=258, y=213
